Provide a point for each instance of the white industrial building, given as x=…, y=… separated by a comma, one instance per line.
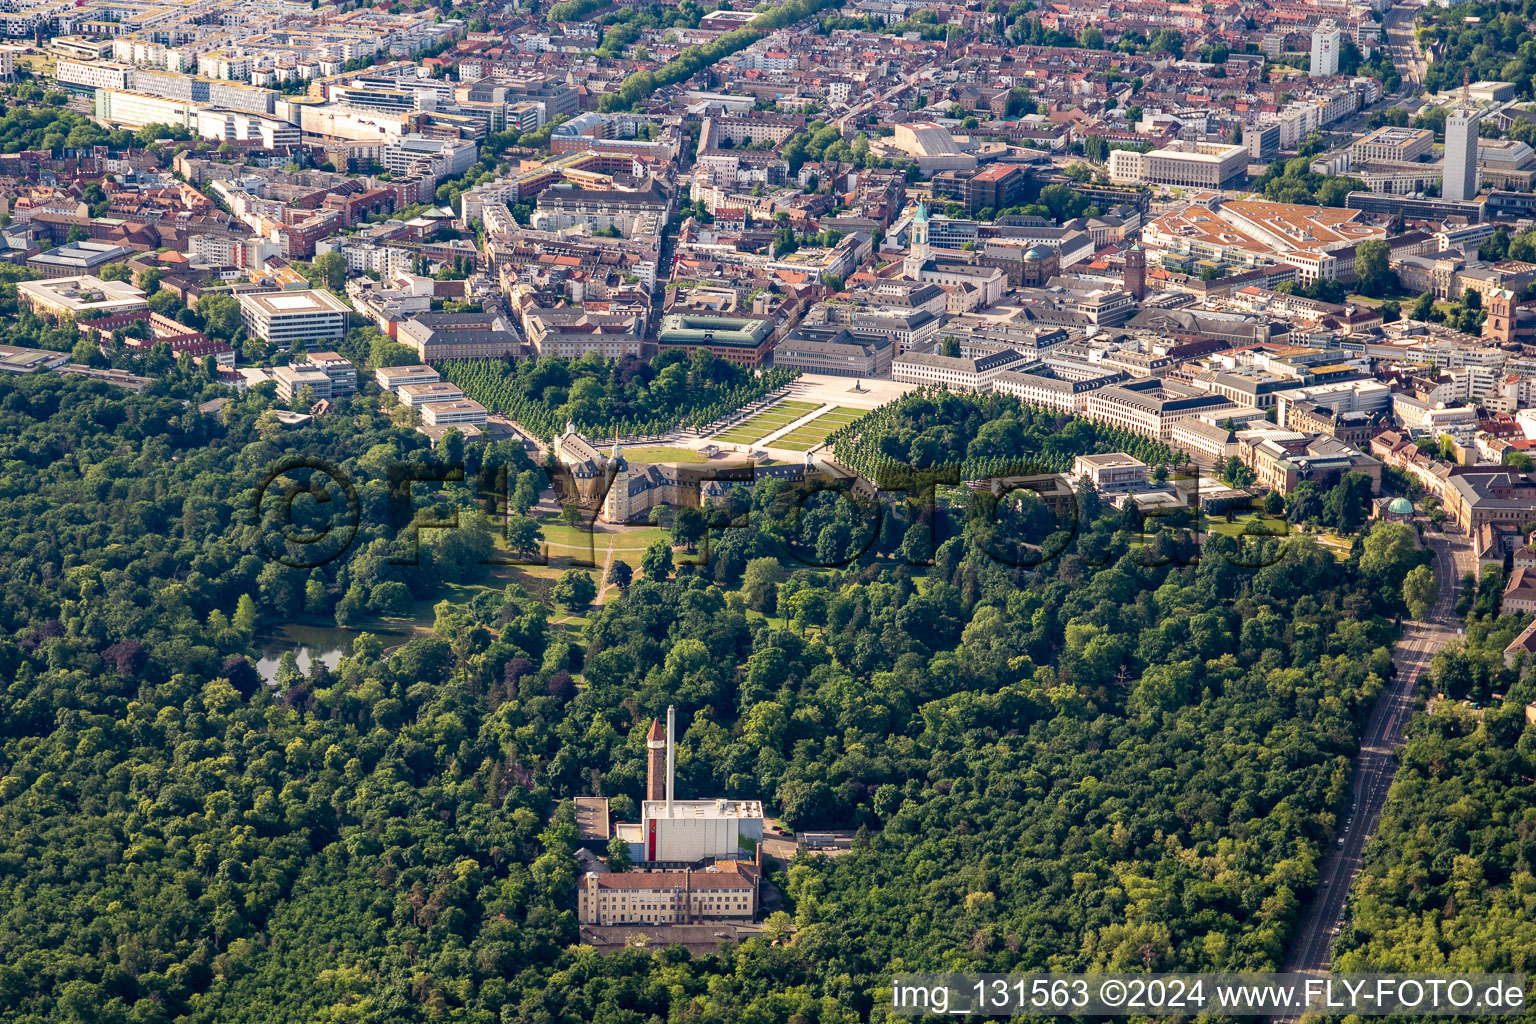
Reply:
x=673, y=831
x=239, y=126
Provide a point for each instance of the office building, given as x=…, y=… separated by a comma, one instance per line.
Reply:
x=453, y=414
x=417, y=395
x=1111, y=473
x=442, y=158
x=285, y=317
x=120, y=108
x=995, y=187
x=1391, y=144
x=293, y=380
x=83, y=297
x=340, y=370
x=93, y=74
x=744, y=340
x=1262, y=142
x=393, y=378
x=1460, y=181
x=1190, y=164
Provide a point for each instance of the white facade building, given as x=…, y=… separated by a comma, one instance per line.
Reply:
x=285, y=317
x=1326, y=40
x=1460, y=182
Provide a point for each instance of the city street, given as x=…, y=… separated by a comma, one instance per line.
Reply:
x=1401, y=45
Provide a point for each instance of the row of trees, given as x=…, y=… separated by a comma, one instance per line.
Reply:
x=632, y=396
x=980, y=435
x=696, y=58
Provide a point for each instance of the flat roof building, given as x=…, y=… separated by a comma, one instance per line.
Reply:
x=392, y=378
x=1111, y=473
x=416, y=395
x=745, y=340
x=340, y=370
x=81, y=297
x=1392, y=144
x=76, y=258
x=1189, y=164
x=292, y=380
x=286, y=317
x=448, y=414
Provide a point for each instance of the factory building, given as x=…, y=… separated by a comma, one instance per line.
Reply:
x=686, y=832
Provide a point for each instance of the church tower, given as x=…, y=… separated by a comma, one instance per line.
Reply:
x=1499, y=327
x=656, y=762
x=919, y=246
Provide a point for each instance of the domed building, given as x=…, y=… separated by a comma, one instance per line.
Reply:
x=1040, y=264
x=1395, y=510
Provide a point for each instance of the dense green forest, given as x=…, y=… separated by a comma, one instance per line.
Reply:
x=1120, y=757
x=1448, y=882
x=30, y=124
x=130, y=516
x=633, y=396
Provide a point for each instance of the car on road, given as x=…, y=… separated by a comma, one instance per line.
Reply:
x=1340, y=843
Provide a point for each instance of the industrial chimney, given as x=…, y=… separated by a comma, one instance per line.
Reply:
x=671, y=748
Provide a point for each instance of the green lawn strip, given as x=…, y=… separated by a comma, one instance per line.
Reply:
x=770, y=417
x=792, y=443
x=803, y=437
x=766, y=422
x=663, y=454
